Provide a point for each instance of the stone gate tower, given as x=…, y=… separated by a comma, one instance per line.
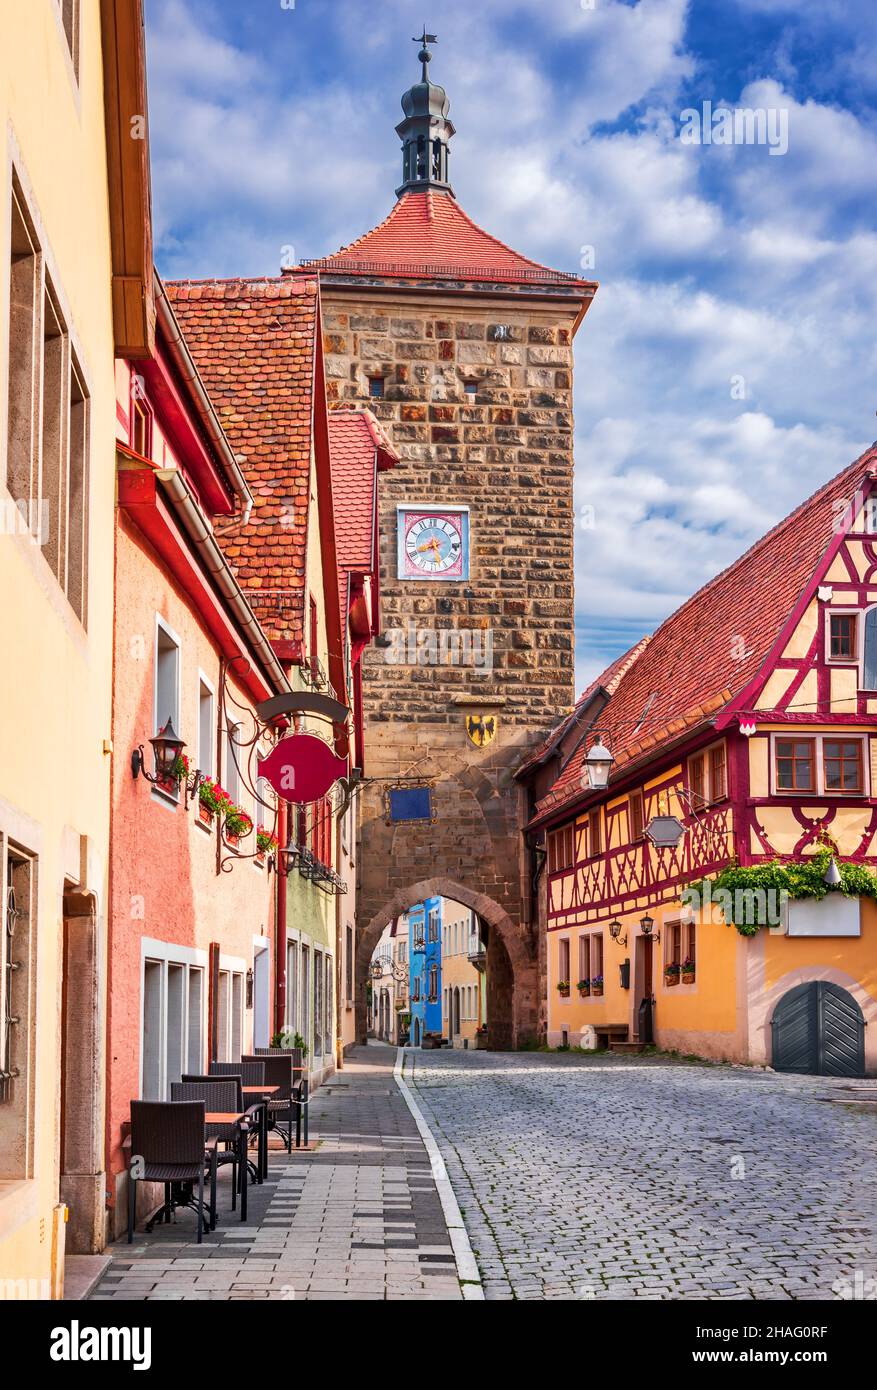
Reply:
x=463, y=349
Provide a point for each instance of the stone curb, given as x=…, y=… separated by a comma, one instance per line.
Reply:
x=467, y=1266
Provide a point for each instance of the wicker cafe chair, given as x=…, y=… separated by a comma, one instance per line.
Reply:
x=250, y=1112
x=285, y=1107
x=167, y=1139
x=250, y=1070
x=217, y=1096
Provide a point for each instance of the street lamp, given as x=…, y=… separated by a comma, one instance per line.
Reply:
x=615, y=933
x=647, y=926
x=598, y=765
x=166, y=747
x=288, y=856
x=832, y=874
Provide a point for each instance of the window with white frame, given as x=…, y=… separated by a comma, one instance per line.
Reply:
x=563, y=960
x=206, y=729
x=330, y=998
x=318, y=1004
x=304, y=1026
x=172, y=1040
x=232, y=779
x=48, y=417
x=167, y=678
x=292, y=986
x=18, y=874
x=229, y=1015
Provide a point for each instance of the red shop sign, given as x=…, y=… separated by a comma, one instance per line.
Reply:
x=302, y=767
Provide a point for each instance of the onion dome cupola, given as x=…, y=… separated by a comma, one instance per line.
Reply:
x=426, y=130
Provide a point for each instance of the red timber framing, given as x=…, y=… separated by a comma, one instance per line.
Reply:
x=815, y=688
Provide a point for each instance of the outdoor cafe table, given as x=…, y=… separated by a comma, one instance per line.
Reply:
x=214, y=1118
x=262, y=1093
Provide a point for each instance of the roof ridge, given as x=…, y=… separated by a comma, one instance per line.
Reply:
x=760, y=543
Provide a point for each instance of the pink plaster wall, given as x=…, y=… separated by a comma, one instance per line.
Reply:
x=164, y=880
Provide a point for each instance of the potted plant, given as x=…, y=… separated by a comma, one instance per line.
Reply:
x=584, y=988
x=293, y=1042
x=597, y=984
x=671, y=974
x=563, y=988
x=213, y=800
x=237, y=824
x=266, y=842
x=687, y=971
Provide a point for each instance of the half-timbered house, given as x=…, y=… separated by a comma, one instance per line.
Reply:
x=743, y=738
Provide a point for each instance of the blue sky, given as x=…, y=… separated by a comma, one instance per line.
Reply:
x=727, y=366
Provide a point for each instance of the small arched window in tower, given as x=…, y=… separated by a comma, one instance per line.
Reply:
x=869, y=651
x=437, y=173
x=421, y=157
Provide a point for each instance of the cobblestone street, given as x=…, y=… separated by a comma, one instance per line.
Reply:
x=619, y=1178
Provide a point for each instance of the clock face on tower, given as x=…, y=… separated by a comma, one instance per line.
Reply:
x=433, y=542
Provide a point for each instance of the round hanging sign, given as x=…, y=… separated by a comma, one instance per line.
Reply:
x=302, y=767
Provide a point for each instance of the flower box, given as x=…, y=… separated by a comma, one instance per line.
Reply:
x=688, y=977
x=687, y=971
x=584, y=988
x=597, y=990
x=233, y=840
x=671, y=979
x=205, y=815
x=563, y=990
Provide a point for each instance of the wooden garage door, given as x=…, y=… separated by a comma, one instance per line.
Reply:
x=818, y=1029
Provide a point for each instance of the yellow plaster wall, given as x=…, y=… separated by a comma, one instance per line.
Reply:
x=55, y=691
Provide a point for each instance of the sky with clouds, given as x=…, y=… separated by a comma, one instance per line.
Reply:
x=727, y=365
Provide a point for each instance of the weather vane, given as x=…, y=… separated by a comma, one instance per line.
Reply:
x=424, y=56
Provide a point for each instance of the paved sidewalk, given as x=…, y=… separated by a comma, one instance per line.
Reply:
x=359, y=1217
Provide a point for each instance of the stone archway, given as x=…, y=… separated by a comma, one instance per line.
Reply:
x=512, y=968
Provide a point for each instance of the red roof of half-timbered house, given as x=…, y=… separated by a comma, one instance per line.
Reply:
x=605, y=684
x=711, y=648
x=255, y=344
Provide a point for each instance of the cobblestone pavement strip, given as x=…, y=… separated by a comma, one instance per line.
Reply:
x=640, y=1177
x=359, y=1217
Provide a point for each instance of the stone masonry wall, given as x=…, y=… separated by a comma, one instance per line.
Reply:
x=506, y=453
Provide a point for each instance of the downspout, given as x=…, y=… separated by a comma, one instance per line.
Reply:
x=184, y=364
x=339, y=932
x=280, y=930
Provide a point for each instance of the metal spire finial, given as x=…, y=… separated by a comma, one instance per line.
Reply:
x=424, y=56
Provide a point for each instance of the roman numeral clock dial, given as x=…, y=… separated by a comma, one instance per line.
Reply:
x=433, y=542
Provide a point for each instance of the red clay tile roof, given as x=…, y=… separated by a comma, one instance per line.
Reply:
x=254, y=343
x=428, y=234
x=607, y=681
x=716, y=643
x=353, y=441
x=358, y=449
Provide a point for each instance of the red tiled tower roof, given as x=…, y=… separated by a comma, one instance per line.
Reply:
x=718, y=641
x=428, y=236
x=255, y=345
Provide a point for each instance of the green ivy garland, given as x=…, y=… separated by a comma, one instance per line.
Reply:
x=800, y=879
